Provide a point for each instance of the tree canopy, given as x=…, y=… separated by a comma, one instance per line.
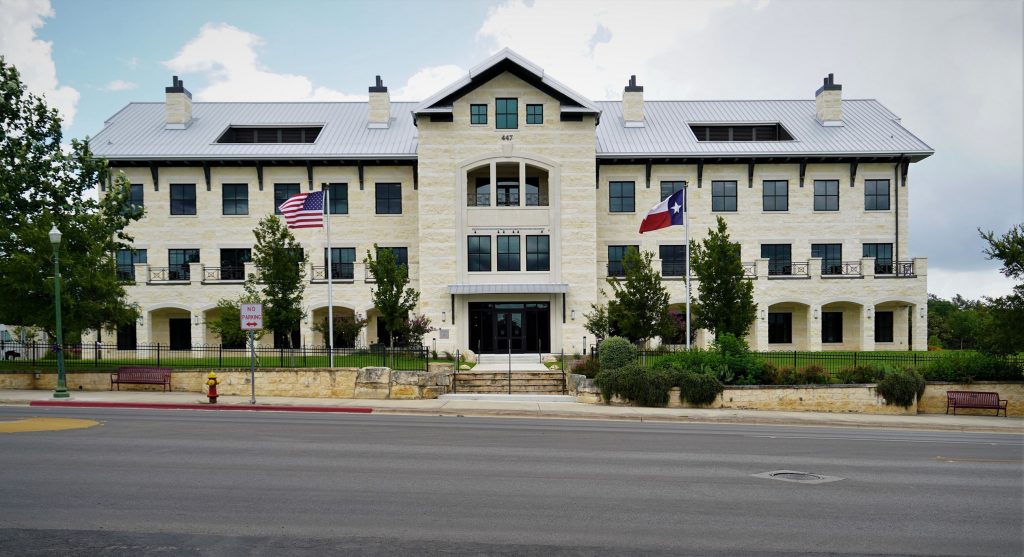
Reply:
x=392, y=295
x=44, y=183
x=639, y=309
x=726, y=299
x=1004, y=328
x=277, y=256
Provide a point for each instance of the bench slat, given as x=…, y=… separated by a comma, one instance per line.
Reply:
x=975, y=399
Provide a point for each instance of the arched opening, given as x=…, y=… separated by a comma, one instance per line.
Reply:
x=171, y=327
x=841, y=326
x=348, y=327
x=516, y=184
x=892, y=324
x=788, y=327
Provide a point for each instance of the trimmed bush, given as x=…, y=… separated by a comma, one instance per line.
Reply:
x=699, y=388
x=616, y=352
x=965, y=367
x=813, y=375
x=641, y=386
x=587, y=366
x=860, y=374
x=901, y=387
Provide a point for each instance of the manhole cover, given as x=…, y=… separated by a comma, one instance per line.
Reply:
x=798, y=477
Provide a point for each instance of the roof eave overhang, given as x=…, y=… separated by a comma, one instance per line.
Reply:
x=914, y=156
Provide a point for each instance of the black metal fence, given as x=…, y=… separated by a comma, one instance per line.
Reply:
x=99, y=356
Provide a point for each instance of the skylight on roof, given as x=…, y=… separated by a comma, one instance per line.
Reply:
x=740, y=132
x=270, y=134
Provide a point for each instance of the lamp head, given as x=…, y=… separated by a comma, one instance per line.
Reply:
x=55, y=236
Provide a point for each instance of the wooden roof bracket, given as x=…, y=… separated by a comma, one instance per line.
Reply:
x=803, y=171
x=597, y=175
x=700, y=174
x=415, y=175
x=750, y=175
x=853, y=173
x=360, y=165
x=259, y=174
x=155, y=171
x=206, y=174
x=904, y=169
x=648, y=171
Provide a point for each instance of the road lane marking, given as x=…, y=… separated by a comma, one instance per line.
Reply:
x=981, y=460
x=27, y=425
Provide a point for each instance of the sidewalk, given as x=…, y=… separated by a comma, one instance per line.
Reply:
x=564, y=410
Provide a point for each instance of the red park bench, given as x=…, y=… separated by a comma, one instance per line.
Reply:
x=974, y=399
x=141, y=376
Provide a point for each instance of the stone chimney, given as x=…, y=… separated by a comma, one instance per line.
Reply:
x=178, y=106
x=380, y=106
x=633, y=104
x=828, y=103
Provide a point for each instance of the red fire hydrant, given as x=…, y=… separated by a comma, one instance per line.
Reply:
x=212, y=383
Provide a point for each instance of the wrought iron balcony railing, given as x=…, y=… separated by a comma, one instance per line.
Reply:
x=788, y=269
x=841, y=269
x=339, y=272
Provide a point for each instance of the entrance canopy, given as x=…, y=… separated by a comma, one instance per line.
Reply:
x=505, y=288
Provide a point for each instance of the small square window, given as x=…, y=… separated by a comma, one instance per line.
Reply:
x=235, y=199
x=389, y=199
x=281, y=194
x=621, y=197
x=723, y=196
x=775, y=196
x=826, y=195
x=478, y=114
x=506, y=114
x=183, y=199
x=534, y=114
x=876, y=195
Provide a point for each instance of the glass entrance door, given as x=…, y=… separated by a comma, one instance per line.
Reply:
x=497, y=327
x=509, y=331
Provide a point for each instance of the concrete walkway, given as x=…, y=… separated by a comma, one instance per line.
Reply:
x=568, y=410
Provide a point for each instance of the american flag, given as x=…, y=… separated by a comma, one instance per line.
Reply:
x=304, y=210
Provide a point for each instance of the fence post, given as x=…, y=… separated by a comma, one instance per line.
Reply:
x=33, y=354
x=303, y=355
x=220, y=355
x=565, y=389
x=455, y=371
x=158, y=354
x=96, y=354
x=794, y=359
x=855, y=359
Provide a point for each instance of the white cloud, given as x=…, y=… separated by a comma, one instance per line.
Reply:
x=120, y=85
x=946, y=283
x=427, y=81
x=132, y=62
x=19, y=20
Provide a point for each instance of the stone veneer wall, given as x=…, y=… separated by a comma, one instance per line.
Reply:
x=934, y=399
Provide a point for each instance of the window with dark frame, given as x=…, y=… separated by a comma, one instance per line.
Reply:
x=183, y=199
x=126, y=260
x=615, y=256
x=506, y=114
x=127, y=338
x=232, y=263
x=478, y=250
x=780, y=328
x=883, y=257
x=826, y=195
x=389, y=199
x=883, y=326
x=876, y=195
x=775, y=196
x=178, y=263
x=673, y=260
x=478, y=114
x=538, y=253
x=534, y=114
x=337, y=196
x=343, y=263
x=401, y=254
x=286, y=134
x=281, y=194
x=622, y=197
x=668, y=188
x=508, y=253
x=734, y=132
x=136, y=197
x=780, y=260
x=831, y=327
x=723, y=196
x=831, y=257
x=235, y=199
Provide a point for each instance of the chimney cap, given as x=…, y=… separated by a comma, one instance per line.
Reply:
x=379, y=87
x=632, y=87
x=177, y=86
x=829, y=84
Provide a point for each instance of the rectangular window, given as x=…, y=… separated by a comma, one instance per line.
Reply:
x=126, y=260
x=668, y=188
x=508, y=253
x=780, y=261
x=508, y=193
x=831, y=257
x=478, y=114
x=137, y=195
x=506, y=114
x=615, y=256
x=235, y=199
x=780, y=328
x=232, y=263
x=673, y=261
x=621, y=197
x=479, y=253
x=178, y=263
x=342, y=263
x=538, y=253
x=723, y=195
x=183, y=199
x=389, y=199
x=883, y=326
x=832, y=326
x=883, y=257
x=826, y=195
x=281, y=194
x=401, y=255
x=126, y=337
x=337, y=195
x=775, y=196
x=534, y=114
x=876, y=195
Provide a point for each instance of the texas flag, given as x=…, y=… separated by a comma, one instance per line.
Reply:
x=670, y=212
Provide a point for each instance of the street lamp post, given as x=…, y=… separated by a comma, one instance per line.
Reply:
x=62, y=387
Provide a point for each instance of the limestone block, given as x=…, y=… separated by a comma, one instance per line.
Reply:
x=439, y=378
x=465, y=367
x=418, y=378
x=549, y=359
x=373, y=375
x=372, y=390
x=405, y=392
x=433, y=392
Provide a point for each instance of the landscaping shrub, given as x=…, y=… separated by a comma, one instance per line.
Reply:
x=587, y=366
x=859, y=374
x=616, y=352
x=700, y=388
x=813, y=374
x=901, y=386
x=641, y=386
x=736, y=355
x=965, y=367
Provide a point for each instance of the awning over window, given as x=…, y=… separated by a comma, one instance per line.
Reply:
x=539, y=288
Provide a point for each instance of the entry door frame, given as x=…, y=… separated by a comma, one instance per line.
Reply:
x=178, y=329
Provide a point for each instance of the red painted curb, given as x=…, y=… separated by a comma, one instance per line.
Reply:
x=174, y=406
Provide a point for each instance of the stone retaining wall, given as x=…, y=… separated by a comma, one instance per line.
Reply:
x=369, y=382
x=934, y=399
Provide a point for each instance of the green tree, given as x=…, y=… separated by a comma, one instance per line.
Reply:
x=598, y=323
x=639, y=309
x=1003, y=330
x=43, y=185
x=227, y=325
x=392, y=296
x=346, y=329
x=276, y=256
x=726, y=303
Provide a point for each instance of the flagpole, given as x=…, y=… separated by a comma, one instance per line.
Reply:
x=330, y=279
x=686, y=227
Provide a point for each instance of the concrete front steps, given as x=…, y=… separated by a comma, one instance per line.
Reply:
x=497, y=382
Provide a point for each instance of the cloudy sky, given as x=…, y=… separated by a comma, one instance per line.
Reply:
x=952, y=70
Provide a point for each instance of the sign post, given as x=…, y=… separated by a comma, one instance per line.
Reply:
x=252, y=320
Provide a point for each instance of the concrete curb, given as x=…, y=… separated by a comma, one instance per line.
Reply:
x=173, y=406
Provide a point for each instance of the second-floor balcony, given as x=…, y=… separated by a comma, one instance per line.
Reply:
x=224, y=273
x=344, y=272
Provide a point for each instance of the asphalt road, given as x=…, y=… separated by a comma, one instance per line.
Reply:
x=231, y=483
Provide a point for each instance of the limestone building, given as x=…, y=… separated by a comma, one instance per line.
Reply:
x=512, y=198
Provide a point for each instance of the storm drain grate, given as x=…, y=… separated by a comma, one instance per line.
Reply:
x=798, y=477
